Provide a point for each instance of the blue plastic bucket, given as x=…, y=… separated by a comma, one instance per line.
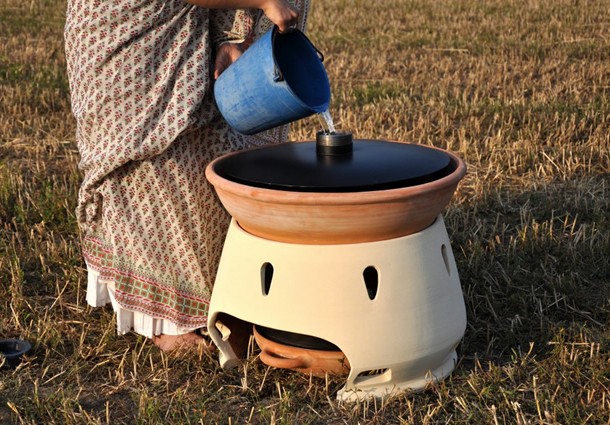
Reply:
x=278, y=80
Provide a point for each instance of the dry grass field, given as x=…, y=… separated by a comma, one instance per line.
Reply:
x=520, y=89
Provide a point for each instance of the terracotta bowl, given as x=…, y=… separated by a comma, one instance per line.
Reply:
x=335, y=218
x=304, y=360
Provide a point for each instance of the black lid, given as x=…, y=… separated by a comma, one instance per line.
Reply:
x=372, y=165
x=296, y=340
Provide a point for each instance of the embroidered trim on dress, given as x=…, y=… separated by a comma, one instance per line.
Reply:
x=141, y=294
x=101, y=292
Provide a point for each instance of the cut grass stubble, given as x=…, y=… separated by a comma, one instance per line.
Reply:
x=518, y=89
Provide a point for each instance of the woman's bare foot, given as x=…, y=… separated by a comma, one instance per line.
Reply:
x=173, y=342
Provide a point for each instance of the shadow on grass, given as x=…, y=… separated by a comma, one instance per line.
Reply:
x=535, y=270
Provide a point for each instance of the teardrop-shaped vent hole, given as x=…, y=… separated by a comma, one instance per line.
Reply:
x=446, y=258
x=266, y=277
x=371, y=280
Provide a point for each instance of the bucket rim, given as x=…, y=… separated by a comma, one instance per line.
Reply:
x=315, y=108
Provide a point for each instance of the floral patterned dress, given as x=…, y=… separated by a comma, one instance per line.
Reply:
x=152, y=230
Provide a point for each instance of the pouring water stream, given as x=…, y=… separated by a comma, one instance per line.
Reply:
x=330, y=126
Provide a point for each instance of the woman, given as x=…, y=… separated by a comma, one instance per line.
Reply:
x=141, y=75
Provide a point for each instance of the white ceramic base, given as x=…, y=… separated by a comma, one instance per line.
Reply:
x=384, y=385
x=402, y=339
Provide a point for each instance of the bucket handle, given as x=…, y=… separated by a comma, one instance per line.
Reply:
x=277, y=74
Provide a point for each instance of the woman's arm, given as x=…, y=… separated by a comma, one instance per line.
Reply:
x=280, y=12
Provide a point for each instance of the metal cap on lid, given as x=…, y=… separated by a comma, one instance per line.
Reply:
x=334, y=143
x=336, y=163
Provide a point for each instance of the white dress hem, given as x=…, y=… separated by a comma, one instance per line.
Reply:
x=101, y=292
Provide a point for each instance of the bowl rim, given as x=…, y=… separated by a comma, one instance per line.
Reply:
x=278, y=196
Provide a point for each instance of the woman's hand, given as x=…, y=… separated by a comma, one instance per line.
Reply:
x=281, y=13
x=227, y=54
